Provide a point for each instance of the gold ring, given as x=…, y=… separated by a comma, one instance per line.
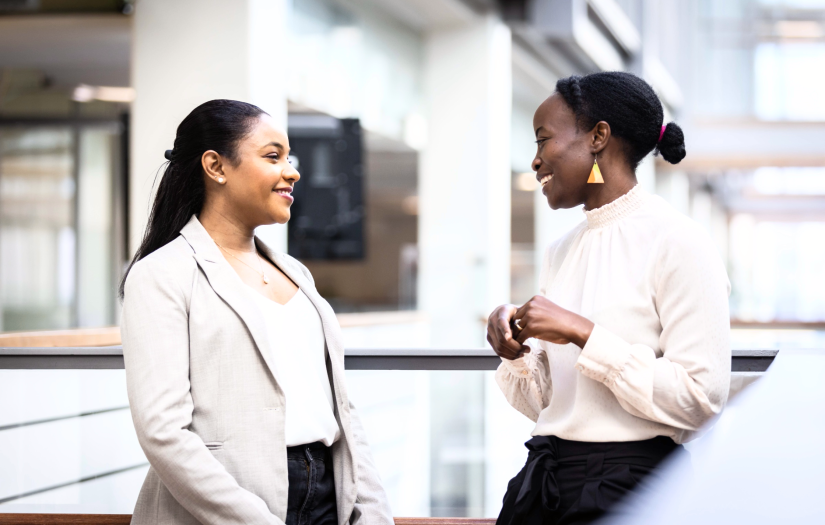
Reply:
x=518, y=325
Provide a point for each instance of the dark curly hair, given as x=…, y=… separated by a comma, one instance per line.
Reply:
x=631, y=108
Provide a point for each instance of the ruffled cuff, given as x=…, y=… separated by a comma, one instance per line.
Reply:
x=518, y=367
x=604, y=356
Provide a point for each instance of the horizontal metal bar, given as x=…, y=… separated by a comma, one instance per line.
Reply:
x=416, y=362
x=111, y=357
x=61, y=358
x=61, y=362
x=750, y=364
x=73, y=482
x=752, y=360
x=61, y=418
x=58, y=122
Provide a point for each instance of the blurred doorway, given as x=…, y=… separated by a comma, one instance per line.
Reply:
x=62, y=223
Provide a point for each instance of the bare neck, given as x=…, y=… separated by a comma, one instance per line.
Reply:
x=227, y=229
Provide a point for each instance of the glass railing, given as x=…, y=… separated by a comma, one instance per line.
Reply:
x=444, y=438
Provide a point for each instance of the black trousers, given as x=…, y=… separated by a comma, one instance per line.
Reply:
x=311, y=486
x=574, y=483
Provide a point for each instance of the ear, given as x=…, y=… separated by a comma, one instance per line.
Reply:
x=212, y=164
x=599, y=136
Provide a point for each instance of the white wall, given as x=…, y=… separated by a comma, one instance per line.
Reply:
x=187, y=52
x=359, y=63
x=464, y=181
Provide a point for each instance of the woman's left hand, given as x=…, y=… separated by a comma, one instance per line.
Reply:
x=543, y=319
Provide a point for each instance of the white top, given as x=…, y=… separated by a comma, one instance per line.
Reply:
x=658, y=360
x=298, y=351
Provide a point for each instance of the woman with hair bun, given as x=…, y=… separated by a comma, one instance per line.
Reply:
x=625, y=352
x=234, y=362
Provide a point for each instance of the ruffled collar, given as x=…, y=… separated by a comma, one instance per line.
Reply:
x=613, y=212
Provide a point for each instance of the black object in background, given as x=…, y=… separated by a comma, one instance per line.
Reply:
x=328, y=213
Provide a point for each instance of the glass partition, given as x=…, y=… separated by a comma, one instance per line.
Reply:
x=445, y=442
x=67, y=443
x=37, y=228
x=60, y=250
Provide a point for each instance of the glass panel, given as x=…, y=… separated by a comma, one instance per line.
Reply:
x=67, y=443
x=445, y=443
x=787, y=80
x=776, y=270
x=96, y=287
x=37, y=237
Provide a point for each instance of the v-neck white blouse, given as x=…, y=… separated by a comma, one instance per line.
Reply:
x=298, y=351
x=658, y=360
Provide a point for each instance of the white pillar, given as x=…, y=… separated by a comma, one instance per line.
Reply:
x=187, y=52
x=464, y=180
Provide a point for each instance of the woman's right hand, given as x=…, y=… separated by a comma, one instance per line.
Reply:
x=500, y=333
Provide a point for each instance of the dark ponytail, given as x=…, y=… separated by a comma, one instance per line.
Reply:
x=217, y=125
x=632, y=109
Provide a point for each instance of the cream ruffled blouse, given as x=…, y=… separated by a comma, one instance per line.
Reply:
x=658, y=360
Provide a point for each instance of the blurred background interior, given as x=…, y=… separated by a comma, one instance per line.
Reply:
x=411, y=121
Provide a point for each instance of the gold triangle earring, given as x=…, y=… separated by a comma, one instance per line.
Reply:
x=595, y=174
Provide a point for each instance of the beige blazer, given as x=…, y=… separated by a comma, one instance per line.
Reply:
x=206, y=407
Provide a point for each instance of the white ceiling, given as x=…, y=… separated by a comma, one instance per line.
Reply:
x=69, y=49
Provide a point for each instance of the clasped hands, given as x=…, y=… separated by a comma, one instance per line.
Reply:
x=538, y=318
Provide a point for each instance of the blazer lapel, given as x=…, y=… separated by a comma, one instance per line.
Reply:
x=332, y=333
x=346, y=473
x=226, y=283
x=329, y=322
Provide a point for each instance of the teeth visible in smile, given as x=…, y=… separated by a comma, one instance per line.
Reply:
x=545, y=179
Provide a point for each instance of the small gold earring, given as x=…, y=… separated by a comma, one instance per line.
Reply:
x=595, y=174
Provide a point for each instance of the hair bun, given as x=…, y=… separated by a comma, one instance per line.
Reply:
x=672, y=145
x=168, y=154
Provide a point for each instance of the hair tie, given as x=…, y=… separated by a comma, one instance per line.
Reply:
x=168, y=153
x=661, y=133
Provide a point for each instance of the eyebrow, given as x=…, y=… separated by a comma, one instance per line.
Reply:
x=277, y=145
x=540, y=128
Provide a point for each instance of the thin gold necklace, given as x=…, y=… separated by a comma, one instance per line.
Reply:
x=260, y=262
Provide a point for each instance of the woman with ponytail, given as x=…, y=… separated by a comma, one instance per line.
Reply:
x=234, y=362
x=624, y=353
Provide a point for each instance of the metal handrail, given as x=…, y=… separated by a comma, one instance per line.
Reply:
x=125, y=519
x=111, y=357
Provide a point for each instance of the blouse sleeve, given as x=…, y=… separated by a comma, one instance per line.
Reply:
x=525, y=381
x=688, y=384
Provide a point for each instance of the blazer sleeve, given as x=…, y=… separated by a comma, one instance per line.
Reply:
x=155, y=331
x=372, y=506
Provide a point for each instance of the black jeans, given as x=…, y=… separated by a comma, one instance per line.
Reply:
x=572, y=482
x=311, y=486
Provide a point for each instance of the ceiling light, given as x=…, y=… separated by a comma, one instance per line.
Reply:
x=410, y=204
x=789, y=181
x=798, y=29
x=83, y=93
x=86, y=93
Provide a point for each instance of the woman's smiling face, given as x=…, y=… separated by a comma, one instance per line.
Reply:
x=564, y=157
x=261, y=182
